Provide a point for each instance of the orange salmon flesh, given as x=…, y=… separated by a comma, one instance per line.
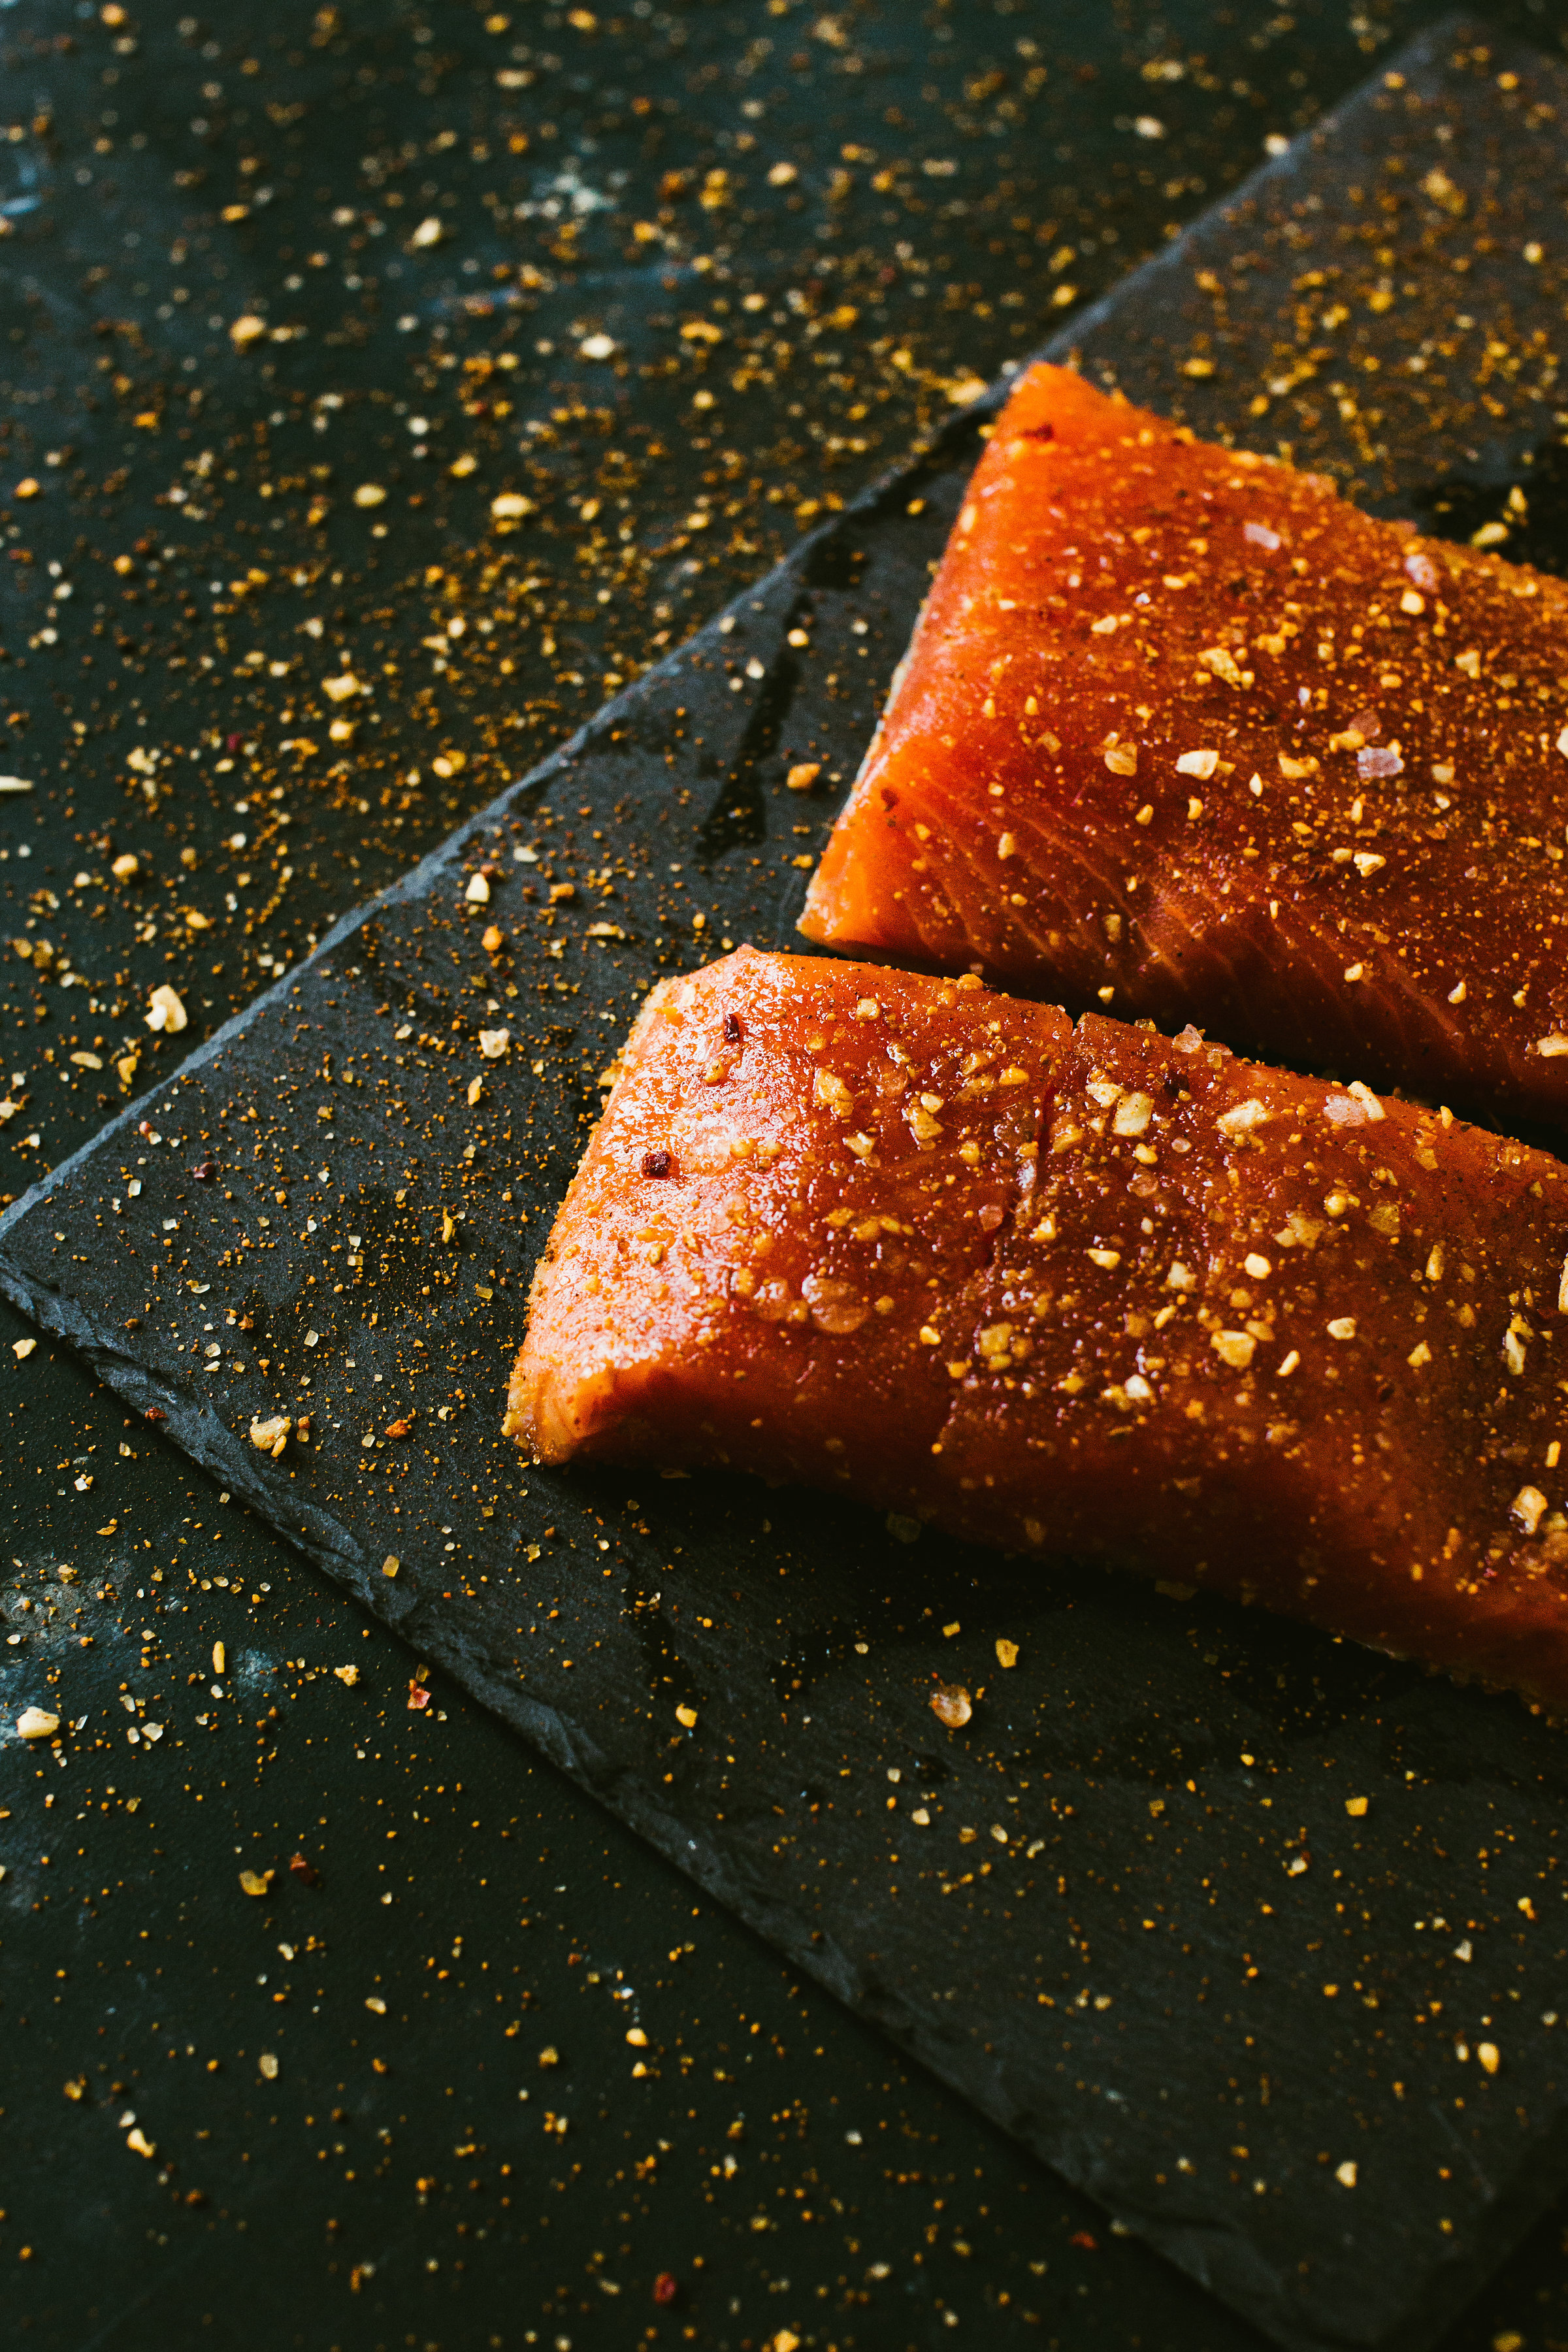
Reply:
x=1082, y=1290
x=1184, y=735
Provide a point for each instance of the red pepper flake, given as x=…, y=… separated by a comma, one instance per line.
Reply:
x=205, y=1170
x=154, y=1413
x=399, y=1428
x=665, y=2287
x=304, y=1871
x=734, y=1029
x=418, y=1696
x=659, y=1163
x=1081, y=2238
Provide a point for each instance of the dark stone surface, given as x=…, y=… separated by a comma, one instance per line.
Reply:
x=1114, y=1751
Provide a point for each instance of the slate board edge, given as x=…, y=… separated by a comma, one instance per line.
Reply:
x=1220, y=2261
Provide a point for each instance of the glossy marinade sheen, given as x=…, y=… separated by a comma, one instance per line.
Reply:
x=1182, y=733
x=1088, y=1291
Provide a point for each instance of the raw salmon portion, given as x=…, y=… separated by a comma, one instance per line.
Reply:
x=1182, y=733
x=1081, y=1290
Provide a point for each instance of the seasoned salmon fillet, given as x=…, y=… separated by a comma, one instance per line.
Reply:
x=1075, y=1290
x=1182, y=733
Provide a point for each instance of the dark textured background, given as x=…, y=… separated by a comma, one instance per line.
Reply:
x=269, y=2221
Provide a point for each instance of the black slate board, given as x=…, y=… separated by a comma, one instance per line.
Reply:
x=1120, y=1963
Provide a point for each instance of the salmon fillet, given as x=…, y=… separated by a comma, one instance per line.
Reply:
x=1182, y=733
x=1073, y=1290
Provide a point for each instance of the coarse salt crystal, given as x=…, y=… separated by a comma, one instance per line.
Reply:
x=1349, y=1109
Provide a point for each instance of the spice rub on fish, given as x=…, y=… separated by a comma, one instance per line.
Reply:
x=1181, y=733
x=1086, y=1291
